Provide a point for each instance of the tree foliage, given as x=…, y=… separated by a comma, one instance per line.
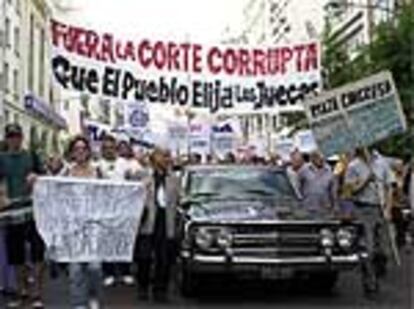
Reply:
x=392, y=48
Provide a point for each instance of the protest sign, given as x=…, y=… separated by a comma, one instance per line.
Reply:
x=182, y=73
x=356, y=115
x=96, y=131
x=305, y=141
x=88, y=220
x=223, y=138
x=283, y=147
x=178, y=137
x=200, y=138
x=136, y=119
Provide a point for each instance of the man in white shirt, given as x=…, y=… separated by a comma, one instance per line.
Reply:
x=116, y=168
x=296, y=163
x=371, y=180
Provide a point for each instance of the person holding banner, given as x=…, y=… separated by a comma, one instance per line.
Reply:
x=155, y=248
x=20, y=169
x=85, y=278
x=117, y=168
x=371, y=182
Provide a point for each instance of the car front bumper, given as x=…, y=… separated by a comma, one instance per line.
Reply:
x=200, y=263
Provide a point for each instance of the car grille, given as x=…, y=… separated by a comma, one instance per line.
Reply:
x=276, y=242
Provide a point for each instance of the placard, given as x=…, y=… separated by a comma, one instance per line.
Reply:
x=356, y=115
x=88, y=220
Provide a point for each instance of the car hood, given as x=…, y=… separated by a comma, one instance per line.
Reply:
x=239, y=210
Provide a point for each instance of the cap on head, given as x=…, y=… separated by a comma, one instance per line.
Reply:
x=13, y=129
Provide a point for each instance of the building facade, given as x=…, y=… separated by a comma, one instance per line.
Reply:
x=28, y=95
x=275, y=22
x=352, y=23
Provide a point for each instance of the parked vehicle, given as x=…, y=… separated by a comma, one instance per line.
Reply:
x=247, y=221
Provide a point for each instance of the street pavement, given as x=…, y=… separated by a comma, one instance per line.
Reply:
x=397, y=292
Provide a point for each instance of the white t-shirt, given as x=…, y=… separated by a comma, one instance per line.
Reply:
x=294, y=179
x=116, y=169
x=373, y=192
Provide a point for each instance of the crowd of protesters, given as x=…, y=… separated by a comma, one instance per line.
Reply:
x=358, y=185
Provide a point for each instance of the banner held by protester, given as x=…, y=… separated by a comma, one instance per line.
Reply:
x=200, y=76
x=88, y=220
x=356, y=115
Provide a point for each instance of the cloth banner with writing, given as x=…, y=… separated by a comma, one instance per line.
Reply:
x=88, y=220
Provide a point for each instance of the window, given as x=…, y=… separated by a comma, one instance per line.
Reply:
x=259, y=123
x=51, y=95
x=6, y=77
x=6, y=116
x=275, y=127
x=17, y=41
x=31, y=54
x=7, y=32
x=42, y=43
x=16, y=118
x=16, y=84
x=18, y=7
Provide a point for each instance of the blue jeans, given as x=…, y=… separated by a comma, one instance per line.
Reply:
x=7, y=273
x=85, y=283
x=375, y=231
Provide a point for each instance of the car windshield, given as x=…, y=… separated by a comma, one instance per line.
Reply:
x=239, y=182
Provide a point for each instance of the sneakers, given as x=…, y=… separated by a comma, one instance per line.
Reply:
x=128, y=280
x=38, y=304
x=14, y=302
x=109, y=281
x=94, y=304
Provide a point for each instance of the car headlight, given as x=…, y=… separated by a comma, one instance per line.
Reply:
x=224, y=238
x=204, y=238
x=345, y=238
x=327, y=238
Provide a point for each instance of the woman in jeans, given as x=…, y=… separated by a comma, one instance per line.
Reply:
x=85, y=278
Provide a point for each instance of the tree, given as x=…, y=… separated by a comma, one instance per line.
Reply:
x=392, y=48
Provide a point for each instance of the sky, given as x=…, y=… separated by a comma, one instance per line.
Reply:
x=195, y=20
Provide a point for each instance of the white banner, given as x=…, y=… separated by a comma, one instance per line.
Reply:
x=88, y=220
x=200, y=76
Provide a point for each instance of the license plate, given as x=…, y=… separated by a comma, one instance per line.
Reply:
x=274, y=272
